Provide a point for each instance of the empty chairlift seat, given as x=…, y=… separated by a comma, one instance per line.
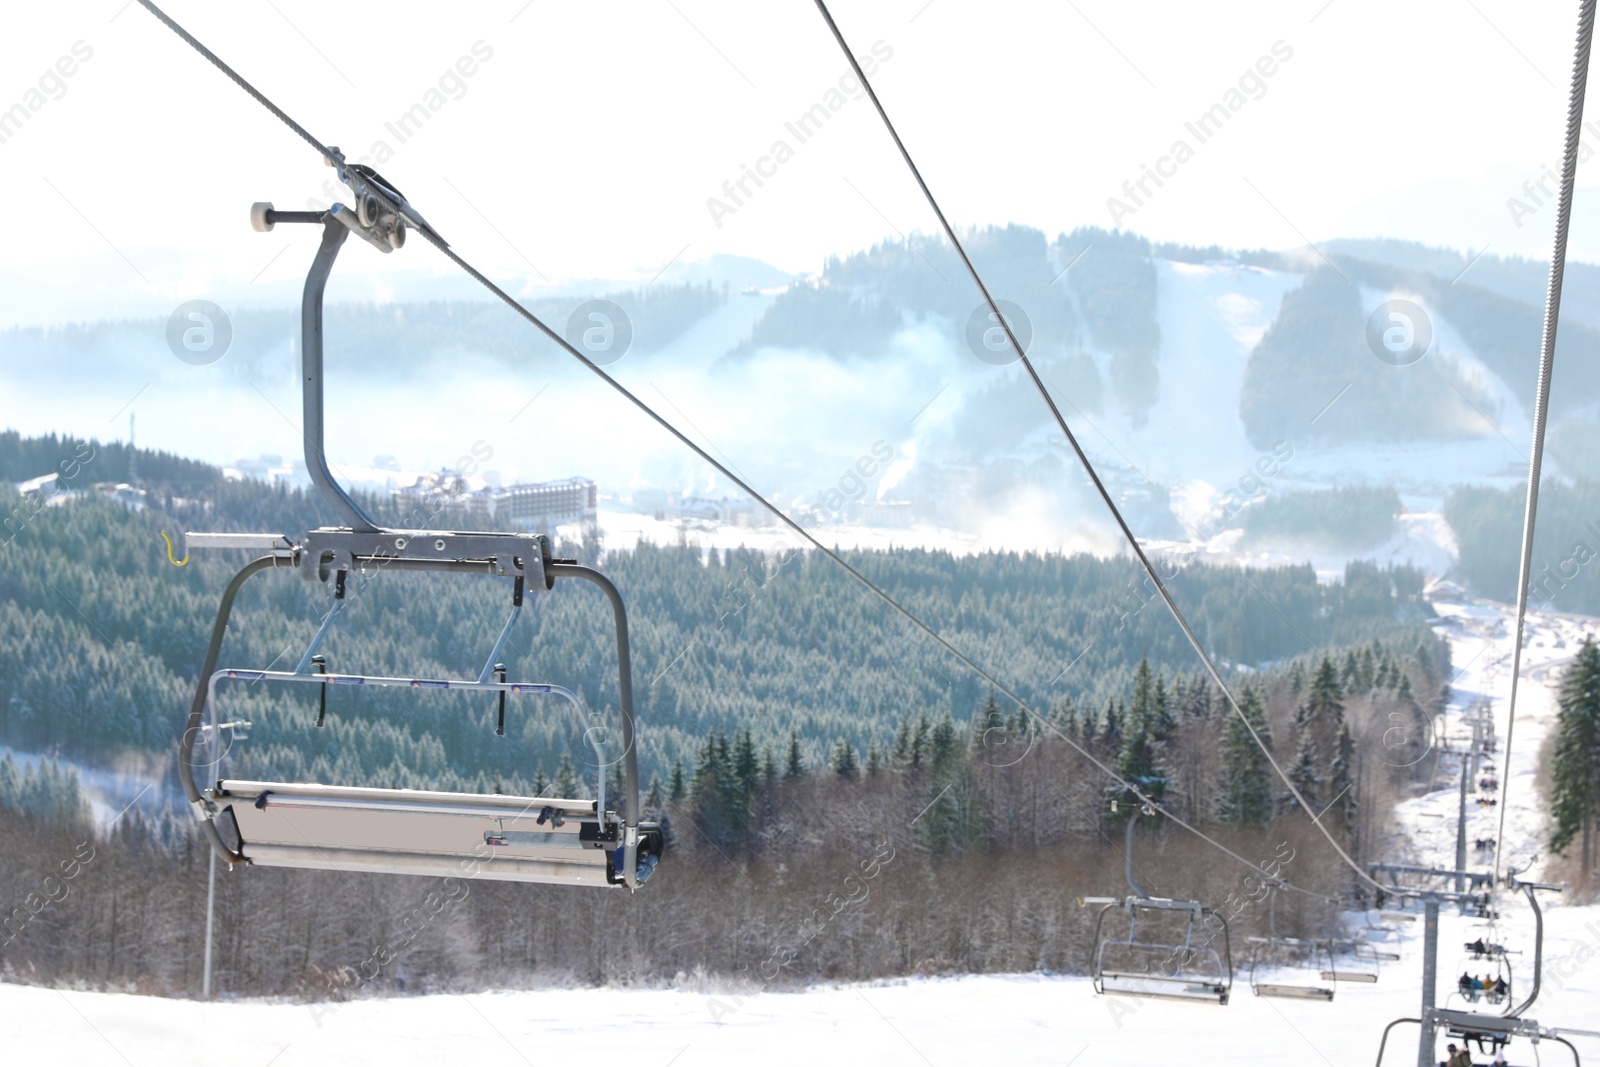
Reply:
x=1157, y=961
x=1278, y=960
x=405, y=831
x=355, y=828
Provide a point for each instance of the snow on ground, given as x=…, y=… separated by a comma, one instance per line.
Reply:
x=1021, y=1019
x=1211, y=316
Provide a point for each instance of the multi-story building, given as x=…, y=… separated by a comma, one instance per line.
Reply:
x=541, y=506
x=549, y=504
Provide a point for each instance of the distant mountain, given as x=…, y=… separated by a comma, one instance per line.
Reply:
x=1200, y=381
x=736, y=272
x=1522, y=280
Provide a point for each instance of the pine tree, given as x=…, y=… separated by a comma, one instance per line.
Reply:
x=566, y=783
x=953, y=820
x=677, y=788
x=1326, y=691
x=919, y=741
x=1141, y=713
x=746, y=766
x=1198, y=704
x=1162, y=724
x=1297, y=678
x=989, y=718
x=769, y=766
x=1246, y=787
x=653, y=800
x=1064, y=717
x=1304, y=772
x=1139, y=759
x=874, y=759
x=794, y=766
x=1367, y=670
x=844, y=759
x=1341, y=784
x=1380, y=676
x=1575, y=770
x=1111, y=729
x=721, y=804
x=901, y=752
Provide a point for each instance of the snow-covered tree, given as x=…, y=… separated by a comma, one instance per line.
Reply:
x=1575, y=775
x=1246, y=787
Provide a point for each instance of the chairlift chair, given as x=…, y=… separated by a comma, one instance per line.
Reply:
x=1498, y=984
x=555, y=840
x=1189, y=970
x=1351, y=961
x=1276, y=953
x=1278, y=949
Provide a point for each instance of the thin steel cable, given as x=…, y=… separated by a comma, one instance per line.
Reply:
x=1547, y=359
x=238, y=80
x=438, y=242
x=1083, y=458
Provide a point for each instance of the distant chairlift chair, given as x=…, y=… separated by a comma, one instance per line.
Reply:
x=290, y=824
x=1353, y=961
x=1278, y=950
x=1190, y=969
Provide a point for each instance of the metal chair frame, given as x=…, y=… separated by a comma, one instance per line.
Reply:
x=532, y=839
x=1184, y=982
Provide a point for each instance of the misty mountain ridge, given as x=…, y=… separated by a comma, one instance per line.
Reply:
x=1179, y=368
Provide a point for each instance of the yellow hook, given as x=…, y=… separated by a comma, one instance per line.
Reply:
x=176, y=562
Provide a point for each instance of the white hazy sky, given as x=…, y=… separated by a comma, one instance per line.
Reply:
x=588, y=144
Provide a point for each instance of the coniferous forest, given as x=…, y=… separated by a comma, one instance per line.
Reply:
x=842, y=797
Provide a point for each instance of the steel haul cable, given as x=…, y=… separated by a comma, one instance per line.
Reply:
x=438, y=242
x=1547, y=359
x=1083, y=457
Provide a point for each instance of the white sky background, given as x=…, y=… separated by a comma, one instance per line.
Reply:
x=594, y=135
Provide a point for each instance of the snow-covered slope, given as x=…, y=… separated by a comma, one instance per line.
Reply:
x=1013, y=1019
x=1211, y=317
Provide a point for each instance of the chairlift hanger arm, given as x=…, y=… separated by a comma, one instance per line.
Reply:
x=333, y=237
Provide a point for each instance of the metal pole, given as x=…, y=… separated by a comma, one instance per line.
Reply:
x=333, y=235
x=1461, y=827
x=211, y=905
x=1127, y=857
x=1430, y=974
